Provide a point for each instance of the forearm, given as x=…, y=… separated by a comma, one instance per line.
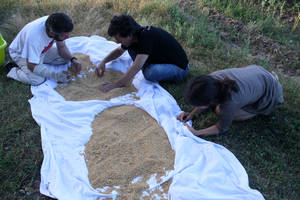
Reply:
x=212, y=130
x=199, y=109
x=113, y=55
x=133, y=70
x=63, y=50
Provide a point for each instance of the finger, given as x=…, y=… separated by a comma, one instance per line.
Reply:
x=103, y=89
x=69, y=75
x=189, y=127
x=102, y=72
x=66, y=73
x=78, y=68
x=179, y=117
x=184, y=118
x=97, y=72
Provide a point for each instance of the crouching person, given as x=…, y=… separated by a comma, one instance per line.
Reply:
x=153, y=50
x=33, y=47
x=237, y=94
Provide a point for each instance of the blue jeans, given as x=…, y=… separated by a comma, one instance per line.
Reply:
x=162, y=72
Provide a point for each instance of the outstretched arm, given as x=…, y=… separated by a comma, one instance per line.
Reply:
x=185, y=116
x=212, y=130
x=132, y=71
x=116, y=53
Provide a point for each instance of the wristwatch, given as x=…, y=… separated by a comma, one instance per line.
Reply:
x=73, y=58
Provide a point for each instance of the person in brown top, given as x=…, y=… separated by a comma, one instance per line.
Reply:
x=238, y=94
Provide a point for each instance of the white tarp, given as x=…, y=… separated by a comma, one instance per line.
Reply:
x=202, y=170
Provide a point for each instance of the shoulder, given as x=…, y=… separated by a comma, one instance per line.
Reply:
x=36, y=26
x=40, y=22
x=220, y=74
x=153, y=31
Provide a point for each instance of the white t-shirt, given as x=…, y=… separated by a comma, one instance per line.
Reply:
x=31, y=41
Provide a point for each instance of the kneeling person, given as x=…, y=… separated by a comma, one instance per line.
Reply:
x=153, y=50
x=33, y=47
x=237, y=94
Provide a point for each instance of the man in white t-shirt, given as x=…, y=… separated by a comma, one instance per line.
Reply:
x=34, y=46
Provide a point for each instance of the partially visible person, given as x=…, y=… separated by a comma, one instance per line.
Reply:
x=33, y=47
x=237, y=94
x=153, y=50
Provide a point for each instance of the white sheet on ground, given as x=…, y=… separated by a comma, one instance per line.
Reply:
x=202, y=170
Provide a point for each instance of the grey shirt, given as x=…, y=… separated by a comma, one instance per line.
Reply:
x=258, y=93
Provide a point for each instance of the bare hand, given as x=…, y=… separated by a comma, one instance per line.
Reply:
x=106, y=87
x=100, y=69
x=68, y=74
x=76, y=66
x=184, y=117
x=191, y=129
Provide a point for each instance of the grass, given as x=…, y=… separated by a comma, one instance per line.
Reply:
x=267, y=146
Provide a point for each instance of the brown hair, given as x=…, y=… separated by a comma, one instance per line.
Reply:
x=204, y=89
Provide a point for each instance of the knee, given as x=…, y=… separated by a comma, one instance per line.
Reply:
x=31, y=67
x=38, y=81
x=150, y=74
x=242, y=115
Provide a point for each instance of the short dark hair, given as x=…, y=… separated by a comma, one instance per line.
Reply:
x=59, y=23
x=124, y=25
x=204, y=89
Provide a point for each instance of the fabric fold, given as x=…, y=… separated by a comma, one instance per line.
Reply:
x=202, y=169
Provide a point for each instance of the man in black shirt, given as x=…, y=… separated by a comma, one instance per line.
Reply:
x=152, y=49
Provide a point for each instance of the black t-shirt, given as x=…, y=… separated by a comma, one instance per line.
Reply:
x=161, y=47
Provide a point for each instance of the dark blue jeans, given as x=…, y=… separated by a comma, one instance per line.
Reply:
x=162, y=72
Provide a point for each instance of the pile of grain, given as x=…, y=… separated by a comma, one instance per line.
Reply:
x=127, y=144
